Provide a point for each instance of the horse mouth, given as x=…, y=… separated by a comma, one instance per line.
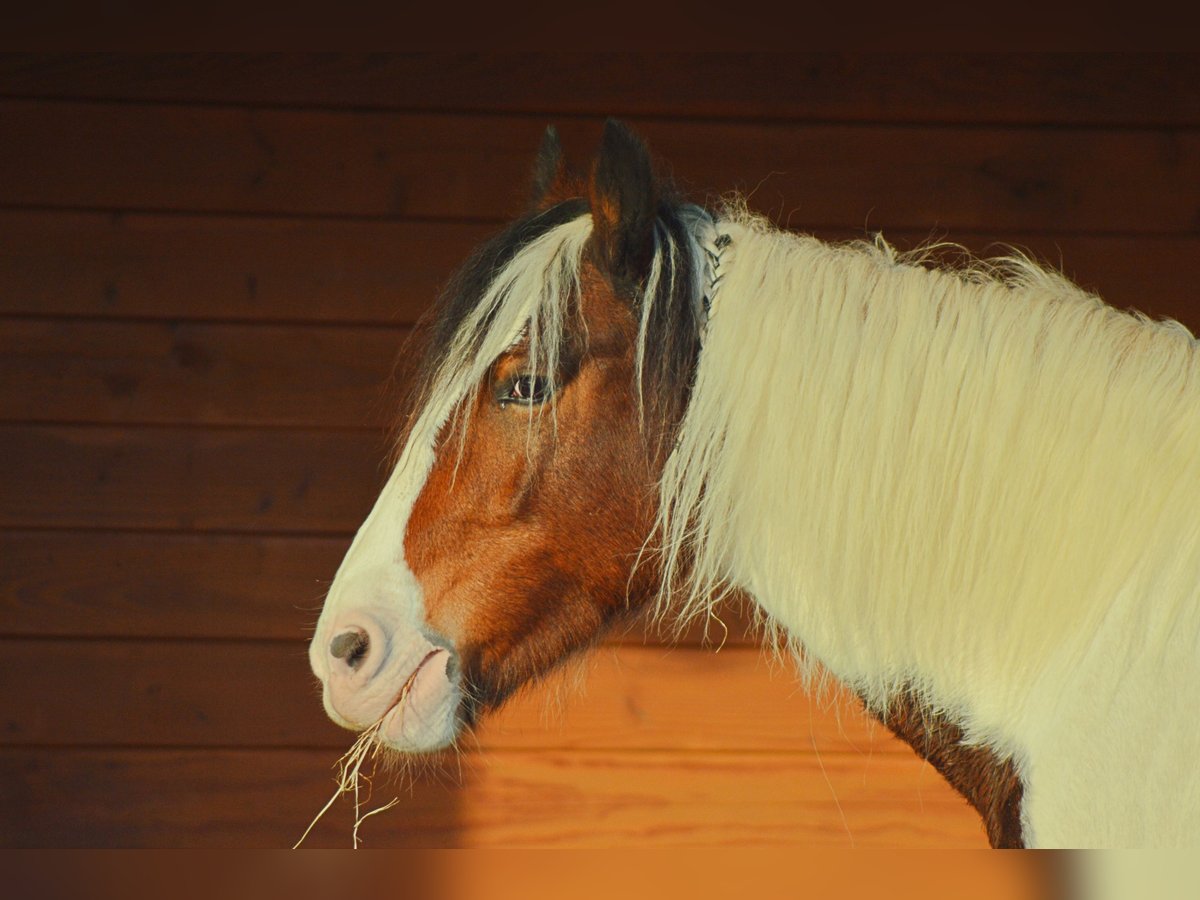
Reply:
x=418, y=698
x=406, y=688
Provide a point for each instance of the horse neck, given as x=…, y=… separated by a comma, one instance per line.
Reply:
x=898, y=465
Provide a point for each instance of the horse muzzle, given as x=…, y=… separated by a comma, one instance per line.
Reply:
x=404, y=680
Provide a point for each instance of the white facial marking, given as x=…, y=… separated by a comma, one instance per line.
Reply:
x=375, y=592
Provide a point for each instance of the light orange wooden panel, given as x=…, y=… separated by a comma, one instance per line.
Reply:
x=250, y=693
x=663, y=799
x=1039, y=87
x=128, y=156
x=668, y=698
x=246, y=798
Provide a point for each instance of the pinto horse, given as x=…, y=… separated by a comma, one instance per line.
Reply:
x=973, y=496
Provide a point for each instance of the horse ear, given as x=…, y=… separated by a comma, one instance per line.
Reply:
x=624, y=196
x=549, y=168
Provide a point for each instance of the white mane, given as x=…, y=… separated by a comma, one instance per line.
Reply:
x=982, y=487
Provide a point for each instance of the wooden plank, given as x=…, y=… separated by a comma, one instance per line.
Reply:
x=54, y=370
x=193, y=694
x=1084, y=88
x=239, y=798
x=202, y=586
x=188, y=479
x=301, y=270
x=373, y=164
x=187, y=267
x=112, y=584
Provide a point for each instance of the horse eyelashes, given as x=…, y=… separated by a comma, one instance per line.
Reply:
x=526, y=390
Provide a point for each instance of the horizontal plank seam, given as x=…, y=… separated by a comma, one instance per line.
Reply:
x=240, y=640
x=281, y=215
x=174, y=531
x=300, y=641
x=104, y=213
x=496, y=221
x=539, y=114
x=888, y=750
x=402, y=328
x=192, y=425
x=254, y=639
x=161, y=426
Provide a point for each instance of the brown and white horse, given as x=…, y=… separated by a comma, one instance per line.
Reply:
x=972, y=496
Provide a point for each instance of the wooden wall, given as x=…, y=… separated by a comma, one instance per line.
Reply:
x=207, y=265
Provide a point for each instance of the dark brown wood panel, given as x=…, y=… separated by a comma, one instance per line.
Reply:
x=113, y=584
x=188, y=479
x=391, y=165
x=197, y=694
x=56, y=370
x=258, y=270
x=202, y=267
x=1113, y=89
x=246, y=798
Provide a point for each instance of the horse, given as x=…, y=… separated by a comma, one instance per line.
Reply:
x=968, y=493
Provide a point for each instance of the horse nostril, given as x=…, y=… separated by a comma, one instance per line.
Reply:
x=350, y=646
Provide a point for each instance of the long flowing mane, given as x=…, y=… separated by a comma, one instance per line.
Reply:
x=975, y=487
x=963, y=469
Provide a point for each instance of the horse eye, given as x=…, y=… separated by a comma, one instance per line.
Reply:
x=528, y=390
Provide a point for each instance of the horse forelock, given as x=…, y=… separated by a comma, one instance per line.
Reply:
x=524, y=284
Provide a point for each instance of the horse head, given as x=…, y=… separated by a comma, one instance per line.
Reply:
x=510, y=533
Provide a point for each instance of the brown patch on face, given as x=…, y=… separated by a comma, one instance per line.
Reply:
x=524, y=544
x=991, y=786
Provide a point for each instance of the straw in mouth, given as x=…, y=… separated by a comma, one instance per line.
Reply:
x=349, y=767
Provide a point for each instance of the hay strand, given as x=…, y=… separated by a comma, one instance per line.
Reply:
x=349, y=768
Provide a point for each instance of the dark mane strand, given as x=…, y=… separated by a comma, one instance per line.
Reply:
x=674, y=326
x=461, y=295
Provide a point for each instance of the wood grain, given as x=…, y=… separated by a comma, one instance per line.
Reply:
x=1085, y=88
x=222, y=268
x=262, y=694
x=172, y=373
x=400, y=165
x=189, y=479
x=121, y=584
x=245, y=798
